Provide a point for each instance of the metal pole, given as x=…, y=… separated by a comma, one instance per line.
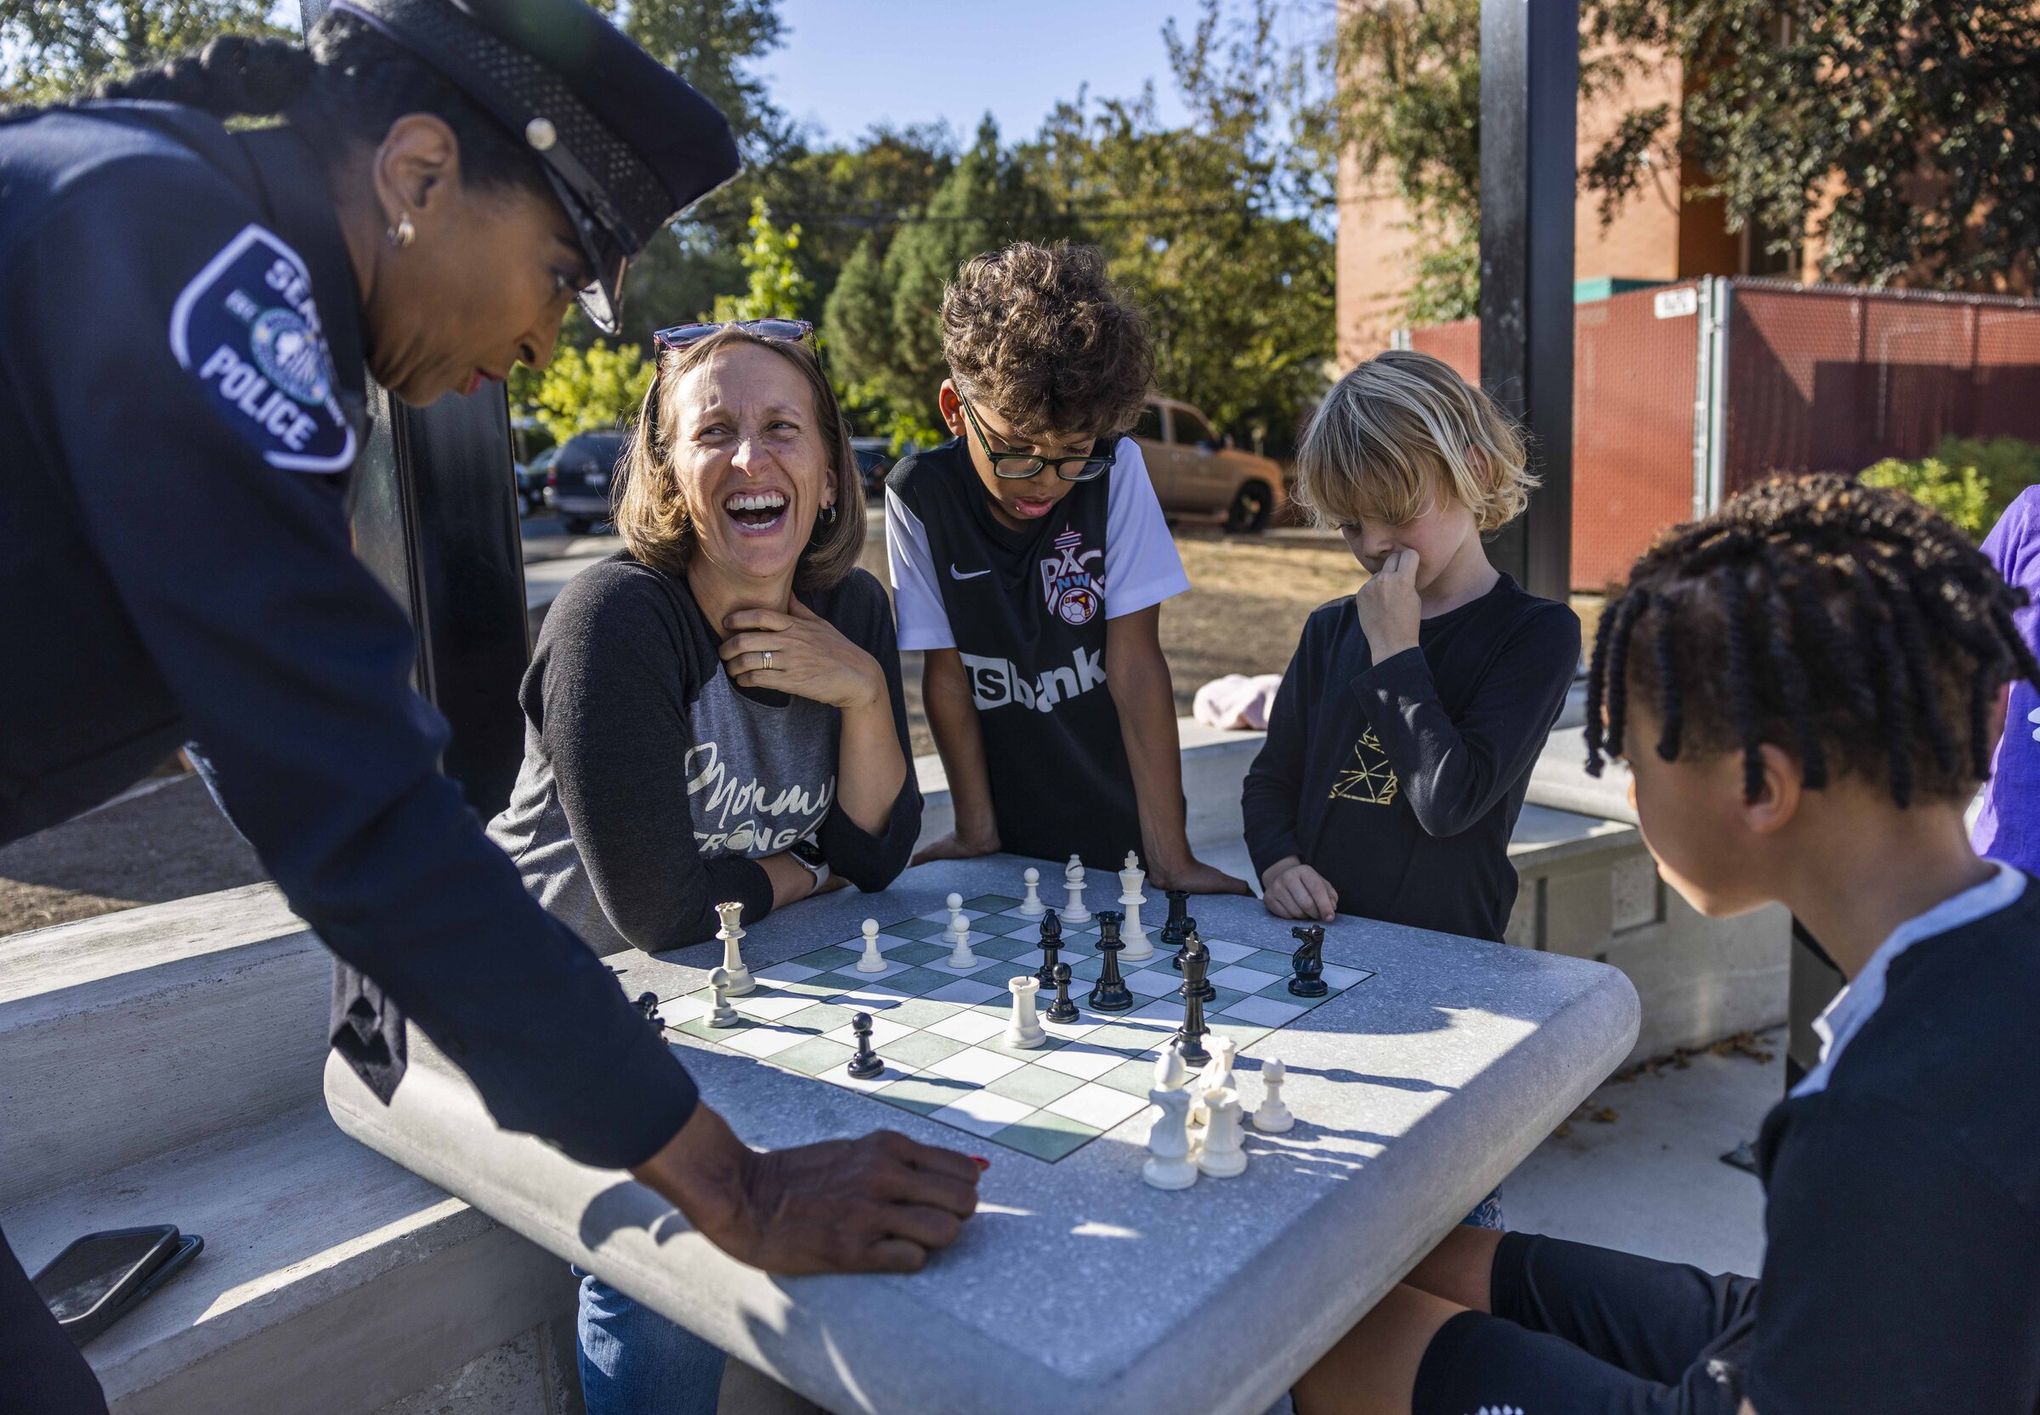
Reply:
x=1529, y=94
x=435, y=516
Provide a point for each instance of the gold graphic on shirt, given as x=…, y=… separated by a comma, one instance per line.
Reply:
x=1370, y=780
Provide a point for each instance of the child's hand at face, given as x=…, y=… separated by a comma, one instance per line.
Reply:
x=1390, y=611
x=1293, y=890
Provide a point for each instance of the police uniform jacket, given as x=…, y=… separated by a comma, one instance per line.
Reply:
x=181, y=400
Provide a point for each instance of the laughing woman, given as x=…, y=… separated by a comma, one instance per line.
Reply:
x=715, y=713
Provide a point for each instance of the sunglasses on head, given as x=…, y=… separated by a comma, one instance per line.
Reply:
x=679, y=336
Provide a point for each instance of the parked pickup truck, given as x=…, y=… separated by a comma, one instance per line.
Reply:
x=1198, y=473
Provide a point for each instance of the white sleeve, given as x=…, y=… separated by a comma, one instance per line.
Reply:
x=917, y=599
x=1141, y=564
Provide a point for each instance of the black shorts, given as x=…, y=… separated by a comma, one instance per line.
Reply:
x=1580, y=1330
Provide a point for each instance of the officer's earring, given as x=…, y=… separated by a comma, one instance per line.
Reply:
x=403, y=233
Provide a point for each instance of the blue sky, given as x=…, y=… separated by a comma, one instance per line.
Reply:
x=850, y=63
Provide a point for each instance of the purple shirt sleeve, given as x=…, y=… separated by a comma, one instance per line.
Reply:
x=2008, y=827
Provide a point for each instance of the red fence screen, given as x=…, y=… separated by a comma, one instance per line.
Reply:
x=1816, y=378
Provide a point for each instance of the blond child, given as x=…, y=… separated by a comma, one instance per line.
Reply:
x=1401, y=741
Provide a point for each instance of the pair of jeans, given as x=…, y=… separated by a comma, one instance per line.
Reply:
x=635, y=1362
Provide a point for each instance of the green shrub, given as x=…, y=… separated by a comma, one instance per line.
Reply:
x=1969, y=480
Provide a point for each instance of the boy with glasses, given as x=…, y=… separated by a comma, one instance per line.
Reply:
x=1029, y=563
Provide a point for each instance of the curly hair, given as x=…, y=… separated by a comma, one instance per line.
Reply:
x=1847, y=624
x=651, y=514
x=1398, y=430
x=1041, y=336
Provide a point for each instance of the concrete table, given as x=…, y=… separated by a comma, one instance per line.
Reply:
x=1077, y=1288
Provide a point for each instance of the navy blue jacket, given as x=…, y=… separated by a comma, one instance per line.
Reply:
x=181, y=396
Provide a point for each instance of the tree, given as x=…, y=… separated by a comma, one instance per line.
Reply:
x=597, y=387
x=1913, y=118
x=1920, y=119
x=775, y=288
x=1217, y=229
x=883, y=322
x=55, y=49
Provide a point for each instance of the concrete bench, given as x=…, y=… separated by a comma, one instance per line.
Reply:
x=163, y=1065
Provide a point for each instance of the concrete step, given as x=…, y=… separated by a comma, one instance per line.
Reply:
x=143, y=1031
x=333, y=1282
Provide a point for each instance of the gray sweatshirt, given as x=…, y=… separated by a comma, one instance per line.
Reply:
x=652, y=784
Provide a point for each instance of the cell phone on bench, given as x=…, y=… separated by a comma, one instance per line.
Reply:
x=98, y=1279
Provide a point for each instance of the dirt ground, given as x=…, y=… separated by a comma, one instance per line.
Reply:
x=1247, y=604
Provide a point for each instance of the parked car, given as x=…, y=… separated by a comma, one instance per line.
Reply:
x=581, y=481
x=874, y=460
x=1196, y=472
x=531, y=479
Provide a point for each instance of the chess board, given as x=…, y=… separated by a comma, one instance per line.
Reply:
x=941, y=1030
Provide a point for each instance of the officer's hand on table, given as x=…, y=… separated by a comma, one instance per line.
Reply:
x=877, y=1204
x=1293, y=890
x=957, y=846
x=801, y=653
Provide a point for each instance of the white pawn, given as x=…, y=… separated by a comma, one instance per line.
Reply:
x=1217, y=1076
x=958, y=936
x=1169, y=1165
x=1025, y=1029
x=732, y=935
x=1073, y=881
x=1221, y=1155
x=720, y=1013
x=1031, y=907
x=873, y=961
x=1273, y=1117
x=1130, y=899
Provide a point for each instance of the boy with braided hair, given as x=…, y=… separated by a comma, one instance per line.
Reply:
x=1807, y=687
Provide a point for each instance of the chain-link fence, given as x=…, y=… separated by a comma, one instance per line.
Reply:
x=1686, y=393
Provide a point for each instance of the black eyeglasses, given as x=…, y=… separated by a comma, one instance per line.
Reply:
x=1019, y=466
x=679, y=336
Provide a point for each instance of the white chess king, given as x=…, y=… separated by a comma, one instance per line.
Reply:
x=732, y=935
x=1130, y=899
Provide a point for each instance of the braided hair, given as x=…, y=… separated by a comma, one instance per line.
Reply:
x=1847, y=624
x=341, y=90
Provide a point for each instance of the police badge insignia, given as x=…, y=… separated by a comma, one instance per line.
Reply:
x=246, y=327
x=1073, y=590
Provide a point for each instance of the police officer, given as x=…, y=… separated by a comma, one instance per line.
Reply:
x=187, y=312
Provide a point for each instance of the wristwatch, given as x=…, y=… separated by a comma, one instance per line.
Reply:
x=809, y=857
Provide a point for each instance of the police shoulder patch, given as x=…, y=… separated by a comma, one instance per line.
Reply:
x=247, y=329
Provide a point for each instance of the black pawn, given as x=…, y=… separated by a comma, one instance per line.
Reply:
x=1308, y=962
x=1062, y=1009
x=1172, y=929
x=648, y=1008
x=1111, y=994
x=1207, y=991
x=867, y=1063
x=1051, y=949
x=1190, y=1038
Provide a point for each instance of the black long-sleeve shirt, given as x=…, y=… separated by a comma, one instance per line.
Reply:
x=1401, y=781
x=652, y=784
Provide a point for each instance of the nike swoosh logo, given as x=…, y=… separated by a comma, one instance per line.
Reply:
x=956, y=574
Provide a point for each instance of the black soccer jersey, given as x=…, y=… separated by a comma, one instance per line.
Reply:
x=1026, y=610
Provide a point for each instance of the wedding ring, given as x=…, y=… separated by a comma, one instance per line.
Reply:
x=768, y=658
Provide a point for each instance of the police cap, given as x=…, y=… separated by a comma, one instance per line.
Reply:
x=626, y=143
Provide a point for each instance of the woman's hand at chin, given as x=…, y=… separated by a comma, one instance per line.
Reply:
x=801, y=653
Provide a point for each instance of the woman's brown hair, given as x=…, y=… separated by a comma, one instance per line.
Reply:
x=651, y=515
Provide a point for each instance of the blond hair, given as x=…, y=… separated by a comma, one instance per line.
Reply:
x=1399, y=430
x=651, y=514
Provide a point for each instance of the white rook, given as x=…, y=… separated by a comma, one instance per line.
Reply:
x=1025, y=1028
